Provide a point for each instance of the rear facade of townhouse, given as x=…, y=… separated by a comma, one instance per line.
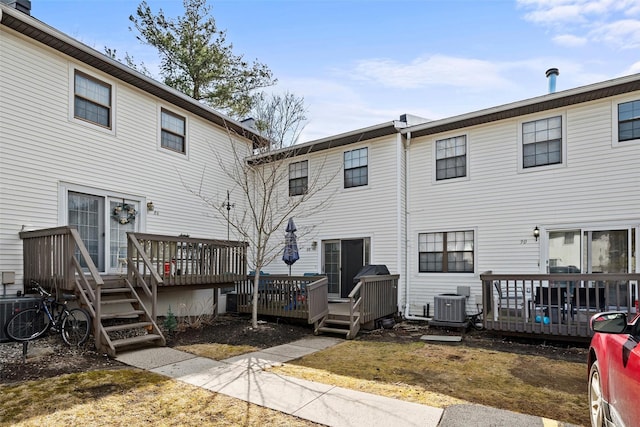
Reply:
x=527, y=211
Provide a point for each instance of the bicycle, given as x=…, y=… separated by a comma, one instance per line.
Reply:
x=29, y=324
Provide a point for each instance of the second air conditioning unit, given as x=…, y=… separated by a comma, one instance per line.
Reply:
x=450, y=308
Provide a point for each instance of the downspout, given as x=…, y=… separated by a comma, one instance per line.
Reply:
x=406, y=232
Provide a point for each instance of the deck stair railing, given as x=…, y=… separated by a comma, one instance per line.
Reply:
x=58, y=259
x=555, y=305
x=372, y=298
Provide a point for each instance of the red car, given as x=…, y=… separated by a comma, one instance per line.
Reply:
x=614, y=370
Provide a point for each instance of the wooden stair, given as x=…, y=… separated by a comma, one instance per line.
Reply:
x=339, y=323
x=125, y=323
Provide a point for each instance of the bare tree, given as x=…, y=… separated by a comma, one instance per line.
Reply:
x=260, y=177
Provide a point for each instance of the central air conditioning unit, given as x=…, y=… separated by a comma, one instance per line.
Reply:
x=11, y=305
x=450, y=308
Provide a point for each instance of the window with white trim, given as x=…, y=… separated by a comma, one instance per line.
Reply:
x=446, y=252
x=173, y=131
x=451, y=158
x=356, y=172
x=298, y=178
x=629, y=121
x=92, y=100
x=542, y=142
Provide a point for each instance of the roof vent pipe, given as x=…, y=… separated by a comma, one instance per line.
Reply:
x=552, y=74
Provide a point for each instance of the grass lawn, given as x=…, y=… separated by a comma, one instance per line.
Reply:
x=434, y=374
x=128, y=397
x=440, y=375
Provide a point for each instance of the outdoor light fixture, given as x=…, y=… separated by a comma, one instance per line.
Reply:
x=536, y=233
x=150, y=206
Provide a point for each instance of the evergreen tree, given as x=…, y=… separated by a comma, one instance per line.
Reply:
x=197, y=60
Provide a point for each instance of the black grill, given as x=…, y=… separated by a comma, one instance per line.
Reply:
x=371, y=270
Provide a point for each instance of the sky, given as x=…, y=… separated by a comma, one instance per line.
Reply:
x=358, y=63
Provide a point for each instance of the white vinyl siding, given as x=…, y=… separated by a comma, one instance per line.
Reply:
x=596, y=184
x=41, y=148
x=345, y=214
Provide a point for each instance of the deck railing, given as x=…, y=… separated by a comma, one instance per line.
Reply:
x=558, y=305
x=182, y=261
x=58, y=259
x=55, y=257
x=280, y=295
x=318, y=299
x=379, y=297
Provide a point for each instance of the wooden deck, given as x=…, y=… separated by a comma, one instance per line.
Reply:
x=58, y=259
x=305, y=297
x=556, y=306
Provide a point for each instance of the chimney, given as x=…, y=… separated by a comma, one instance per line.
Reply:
x=23, y=6
x=552, y=74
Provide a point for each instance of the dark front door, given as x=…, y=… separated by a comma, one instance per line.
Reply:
x=351, y=260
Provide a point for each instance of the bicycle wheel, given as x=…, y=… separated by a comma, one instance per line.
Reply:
x=75, y=327
x=27, y=324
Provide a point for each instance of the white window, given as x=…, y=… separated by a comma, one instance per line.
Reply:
x=356, y=169
x=173, y=131
x=542, y=142
x=451, y=158
x=628, y=121
x=92, y=100
x=446, y=252
x=298, y=178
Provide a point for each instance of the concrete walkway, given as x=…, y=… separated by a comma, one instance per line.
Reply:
x=243, y=377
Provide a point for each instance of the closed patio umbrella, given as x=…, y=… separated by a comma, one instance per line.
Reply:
x=290, y=255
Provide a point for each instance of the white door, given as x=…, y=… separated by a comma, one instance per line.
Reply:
x=103, y=222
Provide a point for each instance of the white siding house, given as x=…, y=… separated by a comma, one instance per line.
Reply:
x=556, y=163
x=437, y=202
x=82, y=135
x=360, y=220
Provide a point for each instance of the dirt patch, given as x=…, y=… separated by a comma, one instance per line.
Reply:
x=50, y=357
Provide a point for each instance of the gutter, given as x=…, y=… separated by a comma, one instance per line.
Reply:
x=407, y=282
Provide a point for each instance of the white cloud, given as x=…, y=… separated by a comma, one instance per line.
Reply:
x=569, y=40
x=572, y=11
x=633, y=69
x=624, y=33
x=555, y=14
x=609, y=22
x=429, y=71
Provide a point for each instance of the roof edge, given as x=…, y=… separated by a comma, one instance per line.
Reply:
x=545, y=102
x=61, y=42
